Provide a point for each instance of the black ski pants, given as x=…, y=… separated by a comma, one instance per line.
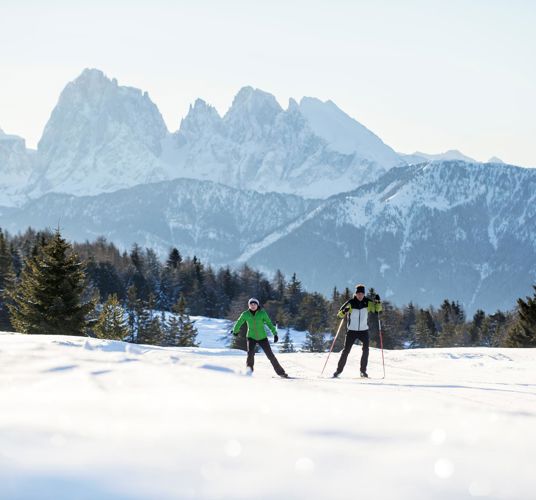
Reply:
x=351, y=337
x=265, y=345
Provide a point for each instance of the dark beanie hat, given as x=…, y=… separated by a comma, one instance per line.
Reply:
x=360, y=288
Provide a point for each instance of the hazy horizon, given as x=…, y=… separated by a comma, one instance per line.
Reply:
x=422, y=75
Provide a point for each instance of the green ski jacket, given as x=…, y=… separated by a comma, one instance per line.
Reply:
x=255, y=324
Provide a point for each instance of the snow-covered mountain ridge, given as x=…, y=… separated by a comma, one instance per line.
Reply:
x=213, y=221
x=102, y=137
x=424, y=233
x=16, y=166
x=306, y=189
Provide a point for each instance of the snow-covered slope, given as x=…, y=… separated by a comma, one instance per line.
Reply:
x=344, y=134
x=95, y=419
x=422, y=233
x=213, y=221
x=100, y=137
x=454, y=230
x=16, y=164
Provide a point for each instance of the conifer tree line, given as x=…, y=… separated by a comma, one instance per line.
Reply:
x=48, y=285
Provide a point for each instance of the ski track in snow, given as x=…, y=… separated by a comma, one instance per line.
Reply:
x=90, y=419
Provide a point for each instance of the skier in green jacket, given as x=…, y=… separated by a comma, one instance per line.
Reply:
x=256, y=318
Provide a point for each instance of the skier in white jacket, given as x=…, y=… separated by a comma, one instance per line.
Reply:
x=356, y=309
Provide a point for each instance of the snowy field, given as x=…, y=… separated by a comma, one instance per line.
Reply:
x=91, y=419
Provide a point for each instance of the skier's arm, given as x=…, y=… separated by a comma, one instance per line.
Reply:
x=239, y=322
x=378, y=303
x=346, y=307
x=269, y=323
x=374, y=306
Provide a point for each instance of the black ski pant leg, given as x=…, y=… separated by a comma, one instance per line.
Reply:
x=251, y=343
x=265, y=344
x=351, y=337
x=364, y=338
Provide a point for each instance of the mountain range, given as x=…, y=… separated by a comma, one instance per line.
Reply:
x=306, y=189
x=102, y=137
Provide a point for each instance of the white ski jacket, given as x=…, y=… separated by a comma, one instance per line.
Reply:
x=357, y=312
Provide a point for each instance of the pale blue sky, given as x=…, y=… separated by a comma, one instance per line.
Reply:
x=423, y=75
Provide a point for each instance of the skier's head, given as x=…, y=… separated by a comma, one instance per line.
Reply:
x=360, y=291
x=253, y=304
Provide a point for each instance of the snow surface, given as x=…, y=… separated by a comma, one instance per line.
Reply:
x=343, y=133
x=95, y=419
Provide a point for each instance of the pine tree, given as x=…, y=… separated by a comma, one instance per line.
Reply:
x=227, y=285
x=313, y=313
x=180, y=330
x=48, y=298
x=174, y=259
x=150, y=329
x=408, y=321
x=170, y=328
x=314, y=307
x=475, y=330
x=134, y=308
x=105, y=277
x=293, y=298
x=153, y=333
x=276, y=311
x=424, y=329
x=111, y=323
x=7, y=277
x=448, y=336
x=314, y=342
x=279, y=285
x=6, y=265
x=393, y=334
x=523, y=332
x=451, y=324
x=287, y=345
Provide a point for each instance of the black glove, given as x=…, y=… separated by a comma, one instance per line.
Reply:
x=276, y=338
x=377, y=298
x=231, y=332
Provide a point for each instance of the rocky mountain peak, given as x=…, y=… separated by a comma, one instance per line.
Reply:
x=253, y=106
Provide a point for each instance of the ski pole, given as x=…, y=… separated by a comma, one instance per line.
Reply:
x=381, y=342
x=332, y=345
